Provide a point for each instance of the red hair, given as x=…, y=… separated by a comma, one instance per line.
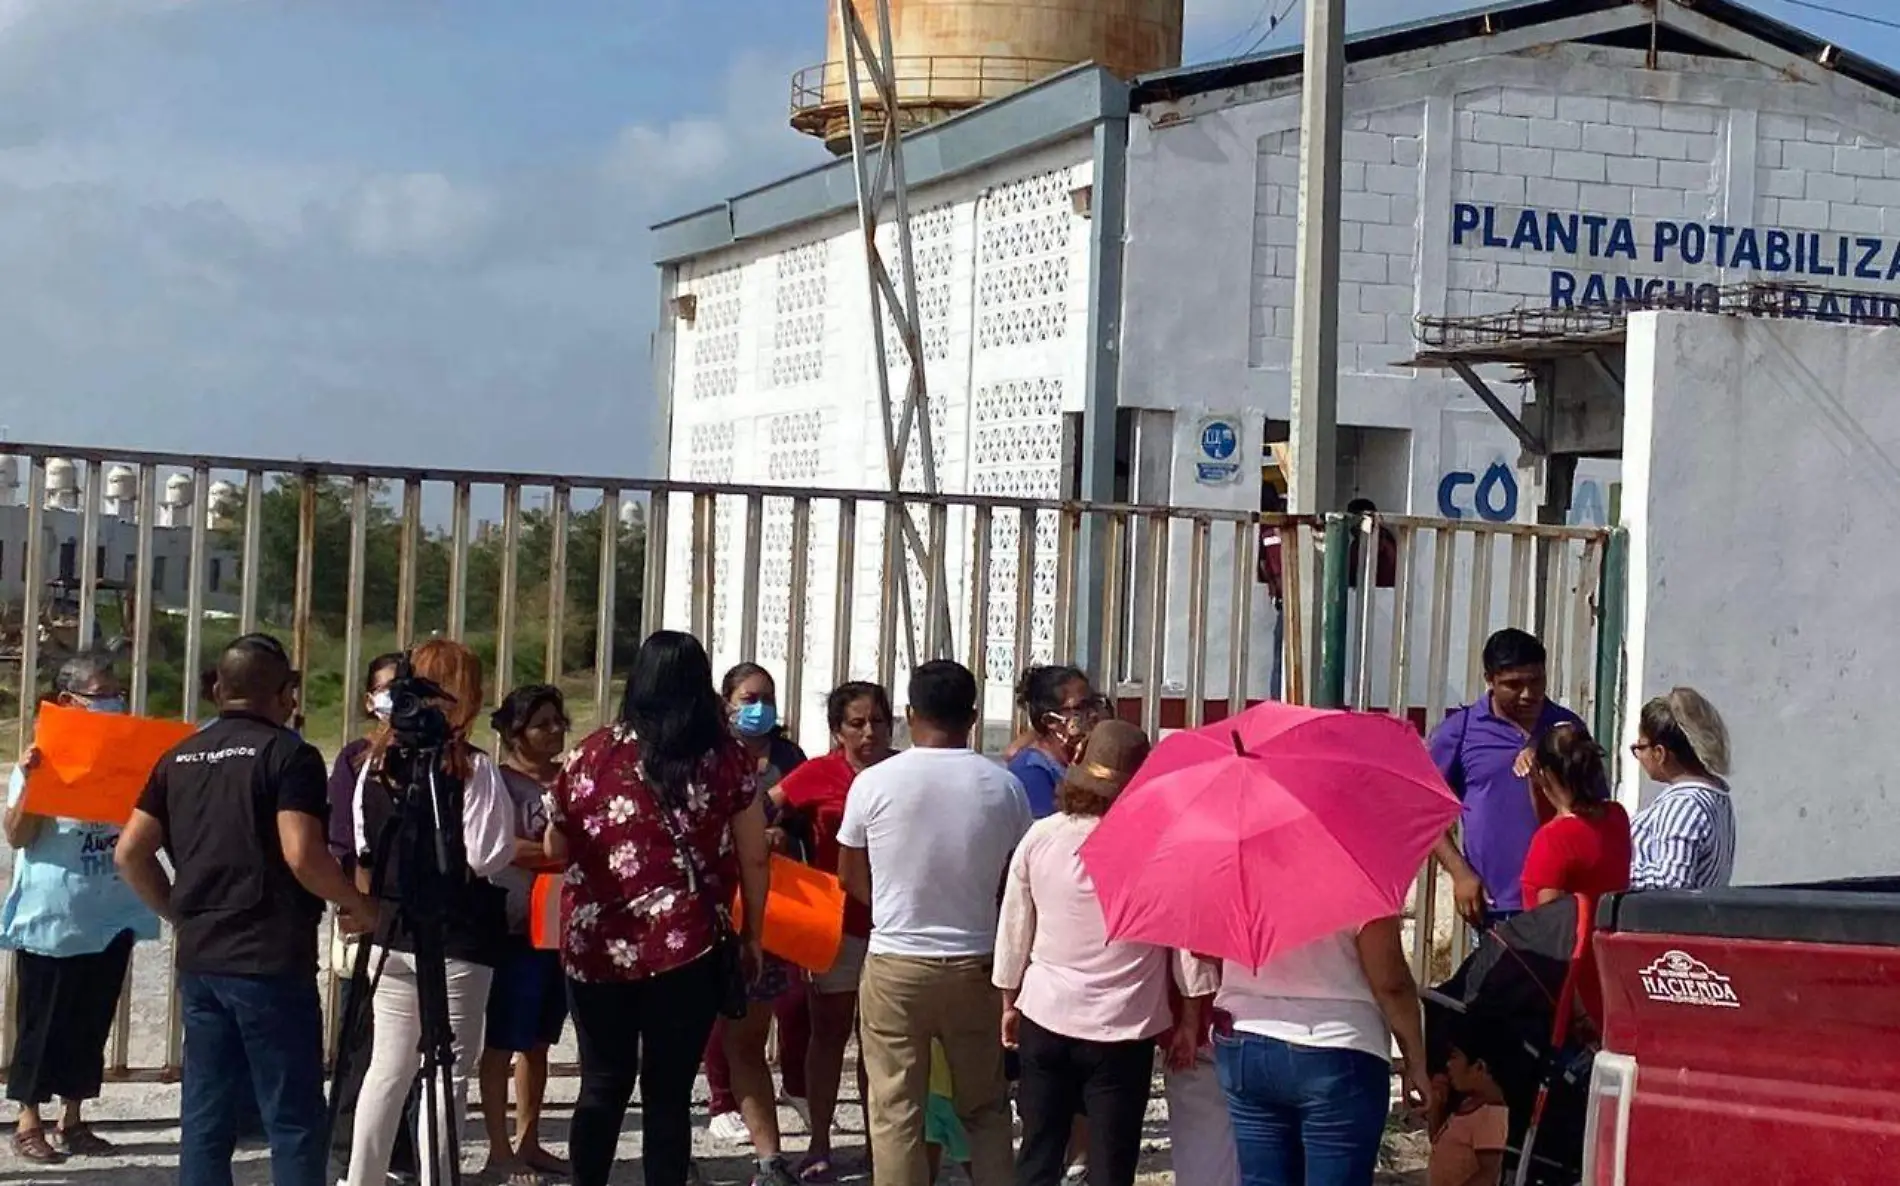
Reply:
x=457, y=670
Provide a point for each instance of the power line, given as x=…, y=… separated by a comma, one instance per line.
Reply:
x=1272, y=26
x=1849, y=14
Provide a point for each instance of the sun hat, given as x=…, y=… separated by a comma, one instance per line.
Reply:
x=1110, y=755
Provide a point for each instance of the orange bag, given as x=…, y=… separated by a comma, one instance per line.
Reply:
x=544, y=912
x=804, y=915
x=93, y=765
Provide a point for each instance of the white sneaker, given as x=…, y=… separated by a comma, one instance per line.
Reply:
x=729, y=1127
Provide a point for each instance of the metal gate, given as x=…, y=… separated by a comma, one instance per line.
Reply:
x=555, y=578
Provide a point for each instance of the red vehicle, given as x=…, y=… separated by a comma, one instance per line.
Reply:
x=1751, y=1038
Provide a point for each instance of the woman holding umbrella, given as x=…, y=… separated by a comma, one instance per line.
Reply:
x=1303, y=1048
x=1285, y=840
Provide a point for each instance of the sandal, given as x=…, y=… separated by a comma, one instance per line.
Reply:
x=816, y=1171
x=81, y=1141
x=33, y=1146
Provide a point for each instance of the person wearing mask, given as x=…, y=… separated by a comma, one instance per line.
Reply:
x=658, y=821
x=925, y=840
x=468, y=788
x=1481, y=749
x=860, y=718
x=342, y=833
x=737, y=1071
x=70, y=921
x=349, y=761
x=1085, y=1011
x=527, y=1007
x=238, y=809
x=1303, y=1045
x=1685, y=838
x=1061, y=708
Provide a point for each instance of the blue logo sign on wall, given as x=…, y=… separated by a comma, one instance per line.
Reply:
x=1219, y=444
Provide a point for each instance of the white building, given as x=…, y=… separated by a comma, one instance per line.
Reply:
x=1105, y=269
x=62, y=528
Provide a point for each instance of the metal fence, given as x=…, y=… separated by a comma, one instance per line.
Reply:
x=1166, y=607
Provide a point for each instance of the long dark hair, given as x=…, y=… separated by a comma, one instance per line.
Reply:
x=673, y=708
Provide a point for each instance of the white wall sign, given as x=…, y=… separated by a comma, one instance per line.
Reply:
x=1217, y=452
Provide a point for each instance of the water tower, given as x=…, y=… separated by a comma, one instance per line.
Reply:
x=951, y=55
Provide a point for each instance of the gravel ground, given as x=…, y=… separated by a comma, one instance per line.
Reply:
x=142, y=1121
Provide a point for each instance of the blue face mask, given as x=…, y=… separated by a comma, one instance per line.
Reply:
x=111, y=704
x=756, y=719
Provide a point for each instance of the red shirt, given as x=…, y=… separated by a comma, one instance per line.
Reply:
x=1589, y=857
x=630, y=905
x=1579, y=855
x=817, y=790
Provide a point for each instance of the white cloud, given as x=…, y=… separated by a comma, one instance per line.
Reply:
x=416, y=214
x=180, y=295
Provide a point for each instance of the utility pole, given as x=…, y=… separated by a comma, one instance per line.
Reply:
x=1315, y=428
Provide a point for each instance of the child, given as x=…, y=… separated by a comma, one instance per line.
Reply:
x=1470, y=1150
x=943, y=1132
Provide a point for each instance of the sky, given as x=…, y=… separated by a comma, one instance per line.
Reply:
x=405, y=231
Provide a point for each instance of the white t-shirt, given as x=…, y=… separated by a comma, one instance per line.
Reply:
x=940, y=826
x=1316, y=995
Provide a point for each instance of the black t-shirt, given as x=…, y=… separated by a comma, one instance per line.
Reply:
x=217, y=795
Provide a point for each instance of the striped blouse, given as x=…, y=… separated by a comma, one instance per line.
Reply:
x=1685, y=839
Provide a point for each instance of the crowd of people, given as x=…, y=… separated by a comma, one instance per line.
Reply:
x=997, y=1024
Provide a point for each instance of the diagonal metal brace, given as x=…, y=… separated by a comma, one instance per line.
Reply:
x=1499, y=408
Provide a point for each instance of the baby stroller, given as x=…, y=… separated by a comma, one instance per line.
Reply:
x=1521, y=989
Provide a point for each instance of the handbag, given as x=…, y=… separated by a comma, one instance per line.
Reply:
x=733, y=994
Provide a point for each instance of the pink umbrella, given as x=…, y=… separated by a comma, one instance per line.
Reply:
x=1267, y=831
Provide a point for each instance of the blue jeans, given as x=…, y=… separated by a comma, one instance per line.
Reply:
x=1303, y=1115
x=259, y=1037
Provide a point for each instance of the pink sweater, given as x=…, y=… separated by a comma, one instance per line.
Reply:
x=1053, y=947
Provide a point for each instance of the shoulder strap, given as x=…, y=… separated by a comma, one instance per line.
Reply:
x=696, y=879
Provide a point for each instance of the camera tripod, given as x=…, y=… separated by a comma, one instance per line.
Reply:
x=426, y=830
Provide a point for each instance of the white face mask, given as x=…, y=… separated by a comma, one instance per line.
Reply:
x=381, y=704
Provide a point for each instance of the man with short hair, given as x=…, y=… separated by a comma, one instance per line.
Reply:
x=239, y=807
x=1477, y=749
x=926, y=839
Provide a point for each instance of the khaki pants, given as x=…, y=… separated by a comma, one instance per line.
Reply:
x=904, y=1002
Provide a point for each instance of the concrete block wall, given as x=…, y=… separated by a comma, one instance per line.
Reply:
x=1520, y=149
x=1379, y=228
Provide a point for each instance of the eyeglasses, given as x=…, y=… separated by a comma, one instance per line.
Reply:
x=1642, y=747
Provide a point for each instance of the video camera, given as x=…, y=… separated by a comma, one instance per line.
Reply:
x=415, y=714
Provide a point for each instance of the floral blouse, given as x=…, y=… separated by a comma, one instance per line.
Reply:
x=632, y=905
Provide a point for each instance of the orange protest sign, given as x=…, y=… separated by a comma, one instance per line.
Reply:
x=804, y=915
x=544, y=912
x=93, y=765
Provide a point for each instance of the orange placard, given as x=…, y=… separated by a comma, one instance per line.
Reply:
x=93, y=764
x=804, y=915
x=544, y=912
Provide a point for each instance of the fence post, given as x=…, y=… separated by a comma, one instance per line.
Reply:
x=1611, y=625
x=1334, y=589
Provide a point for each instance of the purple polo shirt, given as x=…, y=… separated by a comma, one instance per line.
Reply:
x=1475, y=750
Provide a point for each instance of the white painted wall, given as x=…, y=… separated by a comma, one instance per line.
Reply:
x=1492, y=127
x=1762, y=494
x=774, y=384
